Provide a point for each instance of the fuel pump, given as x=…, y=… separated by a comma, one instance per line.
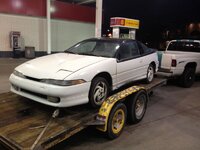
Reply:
x=119, y=22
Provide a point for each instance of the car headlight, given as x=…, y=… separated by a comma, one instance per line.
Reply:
x=19, y=74
x=63, y=82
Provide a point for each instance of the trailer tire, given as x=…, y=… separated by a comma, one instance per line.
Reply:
x=137, y=104
x=188, y=77
x=116, y=120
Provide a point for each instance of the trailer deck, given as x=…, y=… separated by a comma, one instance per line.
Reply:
x=25, y=124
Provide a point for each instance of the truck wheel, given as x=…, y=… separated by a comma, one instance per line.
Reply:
x=116, y=120
x=98, y=92
x=150, y=74
x=188, y=77
x=137, y=107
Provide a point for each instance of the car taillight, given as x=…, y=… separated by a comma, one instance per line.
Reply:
x=173, y=63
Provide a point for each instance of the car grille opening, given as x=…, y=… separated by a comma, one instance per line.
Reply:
x=51, y=99
x=33, y=93
x=34, y=79
x=48, y=98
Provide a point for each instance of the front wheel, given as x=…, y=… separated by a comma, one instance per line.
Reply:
x=98, y=92
x=116, y=121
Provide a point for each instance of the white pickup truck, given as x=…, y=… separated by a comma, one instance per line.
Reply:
x=181, y=59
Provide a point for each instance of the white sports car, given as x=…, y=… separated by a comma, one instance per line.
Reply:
x=84, y=73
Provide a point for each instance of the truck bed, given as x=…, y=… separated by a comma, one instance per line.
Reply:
x=25, y=124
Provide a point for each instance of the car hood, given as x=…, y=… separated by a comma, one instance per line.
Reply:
x=57, y=66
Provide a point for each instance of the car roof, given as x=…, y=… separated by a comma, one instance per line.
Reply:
x=120, y=40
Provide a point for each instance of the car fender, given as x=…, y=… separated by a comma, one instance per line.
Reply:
x=89, y=72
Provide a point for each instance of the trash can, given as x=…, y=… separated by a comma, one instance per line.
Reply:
x=29, y=52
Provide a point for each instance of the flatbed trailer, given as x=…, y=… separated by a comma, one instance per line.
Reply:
x=25, y=124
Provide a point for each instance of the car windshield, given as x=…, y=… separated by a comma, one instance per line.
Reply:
x=184, y=46
x=95, y=48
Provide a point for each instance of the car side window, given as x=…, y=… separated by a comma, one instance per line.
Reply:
x=184, y=46
x=143, y=48
x=128, y=50
x=197, y=47
x=134, y=49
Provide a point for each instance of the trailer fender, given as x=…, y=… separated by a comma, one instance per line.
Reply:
x=108, y=104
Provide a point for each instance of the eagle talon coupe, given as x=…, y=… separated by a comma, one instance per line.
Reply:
x=84, y=73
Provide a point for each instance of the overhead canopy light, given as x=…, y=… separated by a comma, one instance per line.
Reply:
x=86, y=1
x=80, y=2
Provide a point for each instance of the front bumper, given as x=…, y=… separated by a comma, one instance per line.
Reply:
x=37, y=91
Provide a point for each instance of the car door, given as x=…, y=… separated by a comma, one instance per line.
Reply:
x=129, y=63
x=145, y=56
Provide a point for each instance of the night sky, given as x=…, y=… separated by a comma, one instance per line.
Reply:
x=154, y=15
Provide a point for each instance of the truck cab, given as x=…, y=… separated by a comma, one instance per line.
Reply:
x=181, y=59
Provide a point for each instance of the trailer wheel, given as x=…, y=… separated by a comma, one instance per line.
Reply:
x=116, y=120
x=137, y=105
x=188, y=77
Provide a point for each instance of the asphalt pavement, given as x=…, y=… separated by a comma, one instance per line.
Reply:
x=172, y=121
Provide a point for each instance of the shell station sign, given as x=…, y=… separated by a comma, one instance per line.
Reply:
x=124, y=22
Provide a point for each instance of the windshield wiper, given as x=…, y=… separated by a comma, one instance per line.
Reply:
x=70, y=52
x=89, y=54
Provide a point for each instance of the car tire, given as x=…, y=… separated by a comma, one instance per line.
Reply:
x=188, y=77
x=150, y=74
x=98, y=92
x=116, y=120
x=137, y=104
